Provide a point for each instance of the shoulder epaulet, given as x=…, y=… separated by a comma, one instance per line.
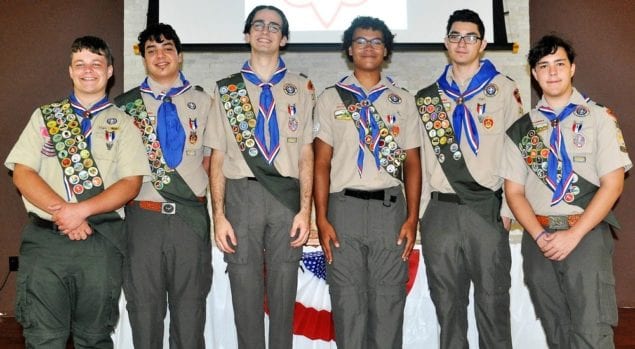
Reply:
x=199, y=88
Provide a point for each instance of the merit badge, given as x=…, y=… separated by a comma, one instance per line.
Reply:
x=488, y=122
x=191, y=105
x=581, y=111
x=394, y=99
x=491, y=90
x=290, y=89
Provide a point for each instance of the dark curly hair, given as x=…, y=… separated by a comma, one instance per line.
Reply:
x=157, y=33
x=547, y=45
x=372, y=23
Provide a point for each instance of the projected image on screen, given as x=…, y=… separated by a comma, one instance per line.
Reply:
x=202, y=22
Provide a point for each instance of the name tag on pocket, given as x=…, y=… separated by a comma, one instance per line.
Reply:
x=292, y=139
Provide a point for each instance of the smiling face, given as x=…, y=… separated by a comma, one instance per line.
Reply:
x=462, y=53
x=90, y=73
x=553, y=73
x=265, y=34
x=162, y=61
x=366, y=50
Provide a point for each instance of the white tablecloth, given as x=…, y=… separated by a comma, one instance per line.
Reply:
x=420, y=325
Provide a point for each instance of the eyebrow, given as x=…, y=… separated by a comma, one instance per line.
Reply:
x=263, y=21
x=457, y=32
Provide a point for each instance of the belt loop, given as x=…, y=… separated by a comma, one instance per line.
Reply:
x=387, y=201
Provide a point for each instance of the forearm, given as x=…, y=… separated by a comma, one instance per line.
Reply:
x=306, y=178
x=217, y=184
x=34, y=188
x=113, y=197
x=412, y=183
x=611, y=186
x=521, y=208
x=321, y=180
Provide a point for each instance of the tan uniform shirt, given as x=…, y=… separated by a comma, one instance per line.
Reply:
x=292, y=91
x=125, y=158
x=191, y=105
x=595, y=149
x=499, y=106
x=335, y=127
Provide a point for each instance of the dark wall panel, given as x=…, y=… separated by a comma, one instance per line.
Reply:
x=602, y=35
x=35, y=39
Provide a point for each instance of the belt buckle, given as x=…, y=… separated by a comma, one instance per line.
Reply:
x=168, y=208
x=558, y=222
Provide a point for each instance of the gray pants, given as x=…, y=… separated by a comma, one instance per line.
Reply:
x=574, y=298
x=367, y=279
x=264, y=259
x=168, y=263
x=459, y=246
x=66, y=287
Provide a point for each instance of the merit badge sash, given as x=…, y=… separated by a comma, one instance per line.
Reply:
x=242, y=120
x=535, y=153
x=482, y=200
x=167, y=181
x=391, y=156
x=81, y=175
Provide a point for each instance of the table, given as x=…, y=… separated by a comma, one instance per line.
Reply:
x=421, y=329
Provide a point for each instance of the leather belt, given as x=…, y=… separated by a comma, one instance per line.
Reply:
x=446, y=197
x=44, y=223
x=558, y=222
x=369, y=195
x=160, y=207
x=252, y=179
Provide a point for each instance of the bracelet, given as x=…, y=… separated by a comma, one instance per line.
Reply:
x=544, y=232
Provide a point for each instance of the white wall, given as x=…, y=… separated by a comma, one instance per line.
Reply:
x=412, y=70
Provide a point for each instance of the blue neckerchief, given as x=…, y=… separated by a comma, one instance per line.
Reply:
x=266, y=110
x=170, y=132
x=558, y=150
x=462, y=117
x=87, y=114
x=368, y=124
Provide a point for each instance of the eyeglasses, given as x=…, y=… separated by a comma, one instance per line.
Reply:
x=272, y=27
x=375, y=43
x=469, y=38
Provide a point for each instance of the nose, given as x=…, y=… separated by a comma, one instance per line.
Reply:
x=552, y=70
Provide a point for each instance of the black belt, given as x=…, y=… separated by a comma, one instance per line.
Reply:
x=252, y=179
x=447, y=197
x=369, y=195
x=43, y=223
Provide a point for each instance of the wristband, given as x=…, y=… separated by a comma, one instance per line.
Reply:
x=544, y=232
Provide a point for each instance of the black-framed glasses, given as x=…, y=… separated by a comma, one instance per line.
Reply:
x=375, y=42
x=468, y=38
x=272, y=27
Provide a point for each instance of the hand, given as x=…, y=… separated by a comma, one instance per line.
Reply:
x=408, y=231
x=80, y=233
x=224, y=235
x=327, y=234
x=300, y=229
x=558, y=246
x=67, y=216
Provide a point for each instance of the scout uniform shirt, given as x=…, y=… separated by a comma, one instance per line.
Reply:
x=335, y=127
x=294, y=96
x=116, y=148
x=193, y=108
x=594, y=144
x=494, y=109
